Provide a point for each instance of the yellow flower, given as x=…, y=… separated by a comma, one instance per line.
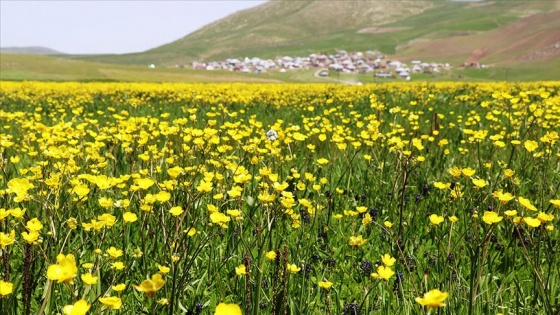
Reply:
x=163, y=269
x=163, y=196
x=357, y=241
x=176, y=211
x=111, y=302
x=271, y=255
x=491, y=217
x=105, y=203
x=228, y=309
x=65, y=270
x=509, y=173
x=453, y=219
x=388, y=224
x=383, y=272
x=89, y=279
x=30, y=237
x=555, y=202
x=361, y=209
x=532, y=222
x=468, y=172
x=234, y=213
x=79, y=308
x=526, y=203
x=114, y=252
x=72, y=223
x=544, y=217
x=33, y=225
x=388, y=260
x=502, y=197
x=455, y=172
x=531, y=145
x=151, y=286
x=81, y=191
x=479, y=183
x=220, y=219
x=510, y=213
x=20, y=186
x=433, y=298
x=293, y=268
x=367, y=219
x=436, y=219
x=440, y=185
x=457, y=193
x=119, y=265
x=17, y=212
x=190, y=231
x=325, y=284
x=144, y=183
x=130, y=217
x=87, y=265
x=7, y=239
x=4, y=213
x=6, y=288
x=322, y=161
x=240, y=270
x=204, y=186
x=119, y=287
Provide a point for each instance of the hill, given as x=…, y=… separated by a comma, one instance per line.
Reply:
x=33, y=50
x=437, y=30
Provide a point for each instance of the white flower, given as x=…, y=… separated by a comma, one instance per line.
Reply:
x=272, y=135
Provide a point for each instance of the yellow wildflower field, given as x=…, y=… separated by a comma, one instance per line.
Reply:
x=279, y=199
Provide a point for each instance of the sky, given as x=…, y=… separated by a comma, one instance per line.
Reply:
x=105, y=26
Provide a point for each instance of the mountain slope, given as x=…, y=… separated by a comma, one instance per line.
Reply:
x=436, y=30
x=277, y=27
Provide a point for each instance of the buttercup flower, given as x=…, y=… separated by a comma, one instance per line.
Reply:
x=89, y=279
x=7, y=239
x=65, y=270
x=325, y=284
x=111, y=302
x=5, y=288
x=383, y=272
x=436, y=219
x=433, y=299
x=79, y=308
x=388, y=260
x=491, y=217
x=532, y=222
x=240, y=270
x=357, y=241
x=293, y=268
x=526, y=203
x=228, y=309
x=151, y=286
x=271, y=255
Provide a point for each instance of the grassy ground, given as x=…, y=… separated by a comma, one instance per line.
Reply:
x=45, y=68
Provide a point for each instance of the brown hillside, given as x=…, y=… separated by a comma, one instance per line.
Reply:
x=533, y=38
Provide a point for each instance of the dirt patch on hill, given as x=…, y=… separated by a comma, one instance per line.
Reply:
x=379, y=30
x=480, y=4
x=529, y=39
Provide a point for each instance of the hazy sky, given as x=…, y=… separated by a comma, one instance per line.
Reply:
x=88, y=27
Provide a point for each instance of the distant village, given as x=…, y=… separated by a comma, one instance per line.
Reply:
x=370, y=62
